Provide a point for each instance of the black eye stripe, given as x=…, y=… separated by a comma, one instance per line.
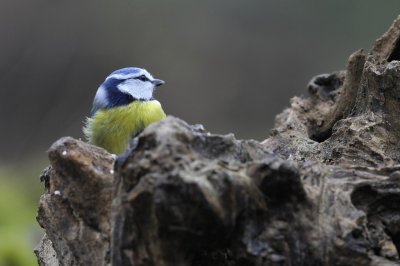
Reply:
x=142, y=78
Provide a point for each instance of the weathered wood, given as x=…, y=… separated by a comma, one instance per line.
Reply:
x=323, y=189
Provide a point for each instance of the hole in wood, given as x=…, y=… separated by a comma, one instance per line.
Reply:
x=319, y=136
x=395, y=55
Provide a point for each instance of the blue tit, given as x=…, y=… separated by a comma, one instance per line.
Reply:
x=123, y=106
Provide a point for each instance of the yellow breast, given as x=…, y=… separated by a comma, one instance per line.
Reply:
x=113, y=128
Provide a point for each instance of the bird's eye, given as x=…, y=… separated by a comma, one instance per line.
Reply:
x=142, y=78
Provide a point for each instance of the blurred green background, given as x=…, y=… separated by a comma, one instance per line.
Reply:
x=230, y=65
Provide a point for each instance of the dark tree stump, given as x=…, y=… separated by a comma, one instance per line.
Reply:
x=323, y=189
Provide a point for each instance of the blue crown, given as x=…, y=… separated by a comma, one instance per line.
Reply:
x=126, y=70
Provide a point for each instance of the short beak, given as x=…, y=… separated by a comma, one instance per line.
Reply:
x=157, y=82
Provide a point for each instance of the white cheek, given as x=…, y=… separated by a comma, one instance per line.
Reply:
x=137, y=88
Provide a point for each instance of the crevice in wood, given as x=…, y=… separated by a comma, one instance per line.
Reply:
x=395, y=55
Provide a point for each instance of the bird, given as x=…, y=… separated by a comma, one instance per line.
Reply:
x=122, y=107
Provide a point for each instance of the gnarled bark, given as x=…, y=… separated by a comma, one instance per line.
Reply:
x=323, y=189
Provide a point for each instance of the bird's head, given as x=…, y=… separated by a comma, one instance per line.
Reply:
x=123, y=86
